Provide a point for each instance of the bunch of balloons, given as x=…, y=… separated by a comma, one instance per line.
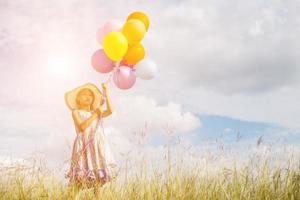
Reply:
x=122, y=52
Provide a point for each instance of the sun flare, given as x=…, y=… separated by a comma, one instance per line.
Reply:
x=59, y=66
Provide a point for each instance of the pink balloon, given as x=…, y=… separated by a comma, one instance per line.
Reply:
x=101, y=62
x=124, y=77
x=109, y=26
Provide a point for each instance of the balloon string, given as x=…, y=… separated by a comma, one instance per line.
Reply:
x=108, y=79
x=116, y=66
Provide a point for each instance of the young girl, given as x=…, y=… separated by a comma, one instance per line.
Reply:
x=92, y=161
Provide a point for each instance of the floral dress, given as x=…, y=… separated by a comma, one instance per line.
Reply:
x=92, y=160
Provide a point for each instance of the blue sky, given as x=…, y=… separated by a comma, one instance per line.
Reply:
x=233, y=130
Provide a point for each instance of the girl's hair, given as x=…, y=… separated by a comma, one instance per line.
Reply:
x=77, y=100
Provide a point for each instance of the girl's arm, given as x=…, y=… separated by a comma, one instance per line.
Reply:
x=108, y=110
x=83, y=125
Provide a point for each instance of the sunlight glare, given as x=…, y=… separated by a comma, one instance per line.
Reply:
x=59, y=66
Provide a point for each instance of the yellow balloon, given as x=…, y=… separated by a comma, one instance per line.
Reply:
x=141, y=16
x=115, y=45
x=134, y=30
x=134, y=54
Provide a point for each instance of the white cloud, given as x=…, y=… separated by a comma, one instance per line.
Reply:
x=131, y=114
x=207, y=55
x=227, y=130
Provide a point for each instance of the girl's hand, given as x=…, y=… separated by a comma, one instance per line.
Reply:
x=99, y=111
x=104, y=86
x=103, y=100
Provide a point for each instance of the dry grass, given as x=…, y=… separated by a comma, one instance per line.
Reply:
x=258, y=179
x=20, y=182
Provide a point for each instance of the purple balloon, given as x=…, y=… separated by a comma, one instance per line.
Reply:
x=124, y=77
x=109, y=26
x=101, y=62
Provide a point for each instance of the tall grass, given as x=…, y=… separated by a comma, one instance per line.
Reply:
x=19, y=182
x=257, y=179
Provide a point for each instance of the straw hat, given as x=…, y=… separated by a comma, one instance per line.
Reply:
x=70, y=97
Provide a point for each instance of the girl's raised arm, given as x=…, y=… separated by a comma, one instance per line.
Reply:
x=108, y=110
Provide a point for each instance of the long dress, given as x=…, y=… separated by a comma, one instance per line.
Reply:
x=92, y=159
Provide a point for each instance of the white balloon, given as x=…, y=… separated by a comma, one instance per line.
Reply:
x=146, y=69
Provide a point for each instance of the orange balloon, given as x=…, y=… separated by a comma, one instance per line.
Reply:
x=140, y=16
x=134, y=30
x=134, y=54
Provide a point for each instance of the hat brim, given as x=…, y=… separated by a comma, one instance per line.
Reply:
x=70, y=97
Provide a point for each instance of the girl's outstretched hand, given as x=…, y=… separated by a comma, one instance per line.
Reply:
x=104, y=86
x=99, y=111
x=103, y=100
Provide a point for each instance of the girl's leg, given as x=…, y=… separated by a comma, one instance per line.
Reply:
x=97, y=189
x=73, y=189
x=97, y=192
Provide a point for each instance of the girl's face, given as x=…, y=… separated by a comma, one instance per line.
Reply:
x=85, y=97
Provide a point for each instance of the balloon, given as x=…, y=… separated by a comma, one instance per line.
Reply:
x=101, y=62
x=109, y=26
x=140, y=16
x=134, y=30
x=115, y=45
x=124, y=77
x=124, y=64
x=134, y=54
x=146, y=69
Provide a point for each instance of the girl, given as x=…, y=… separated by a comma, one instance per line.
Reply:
x=92, y=161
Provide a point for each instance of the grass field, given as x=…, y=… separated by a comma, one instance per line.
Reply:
x=23, y=182
x=258, y=178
